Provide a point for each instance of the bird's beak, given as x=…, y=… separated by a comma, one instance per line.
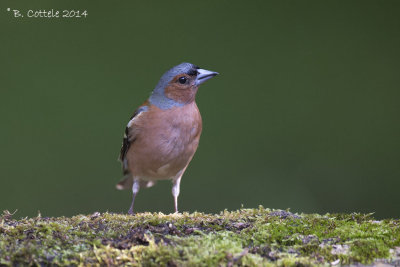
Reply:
x=204, y=75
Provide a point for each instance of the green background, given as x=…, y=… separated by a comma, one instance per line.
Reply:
x=304, y=114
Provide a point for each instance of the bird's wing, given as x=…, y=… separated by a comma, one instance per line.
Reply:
x=129, y=136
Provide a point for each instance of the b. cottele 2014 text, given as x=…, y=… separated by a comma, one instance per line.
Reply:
x=51, y=13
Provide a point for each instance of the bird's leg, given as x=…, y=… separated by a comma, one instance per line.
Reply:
x=135, y=190
x=175, y=191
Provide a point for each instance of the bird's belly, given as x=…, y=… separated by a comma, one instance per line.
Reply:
x=163, y=154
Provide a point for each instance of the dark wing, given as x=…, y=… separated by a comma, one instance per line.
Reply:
x=128, y=138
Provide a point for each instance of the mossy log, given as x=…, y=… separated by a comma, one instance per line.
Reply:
x=246, y=237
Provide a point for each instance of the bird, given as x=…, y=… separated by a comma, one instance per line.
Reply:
x=163, y=133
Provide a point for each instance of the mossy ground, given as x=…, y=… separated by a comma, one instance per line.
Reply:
x=248, y=237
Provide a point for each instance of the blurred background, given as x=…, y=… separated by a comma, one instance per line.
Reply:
x=304, y=114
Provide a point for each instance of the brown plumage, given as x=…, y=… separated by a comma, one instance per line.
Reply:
x=163, y=134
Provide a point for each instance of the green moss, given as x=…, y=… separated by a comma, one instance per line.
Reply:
x=250, y=237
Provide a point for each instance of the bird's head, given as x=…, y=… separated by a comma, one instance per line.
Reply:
x=178, y=86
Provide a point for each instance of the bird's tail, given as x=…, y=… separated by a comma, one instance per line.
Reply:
x=127, y=183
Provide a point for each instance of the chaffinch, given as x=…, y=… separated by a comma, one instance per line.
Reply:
x=163, y=133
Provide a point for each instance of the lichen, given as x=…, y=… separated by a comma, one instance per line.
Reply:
x=249, y=237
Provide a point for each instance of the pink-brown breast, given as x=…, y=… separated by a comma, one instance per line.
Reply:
x=165, y=141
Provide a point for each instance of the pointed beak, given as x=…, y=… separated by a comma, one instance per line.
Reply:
x=204, y=75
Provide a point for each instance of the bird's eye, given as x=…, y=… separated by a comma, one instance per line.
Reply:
x=182, y=80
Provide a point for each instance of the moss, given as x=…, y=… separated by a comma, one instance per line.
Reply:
x=249, y=237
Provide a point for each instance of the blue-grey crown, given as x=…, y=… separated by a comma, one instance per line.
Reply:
x=158, y=97
x=170, y=74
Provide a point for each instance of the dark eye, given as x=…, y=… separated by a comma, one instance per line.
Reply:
x=182, y=80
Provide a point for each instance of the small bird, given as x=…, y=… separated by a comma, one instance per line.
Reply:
x=163, y=134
